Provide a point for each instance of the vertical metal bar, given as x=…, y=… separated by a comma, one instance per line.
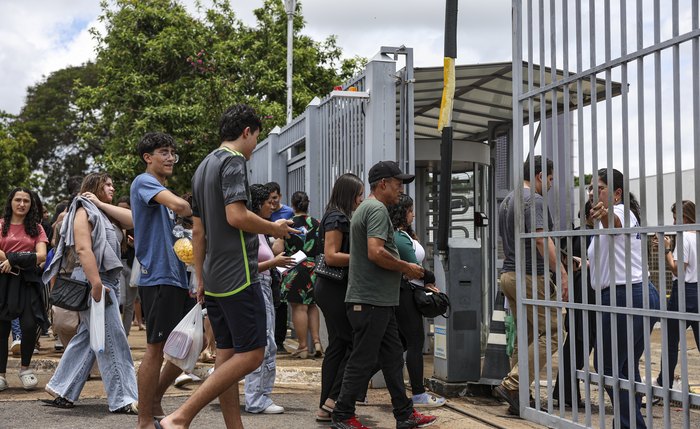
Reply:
x=517, y=174
x=582, y=171
x=696, y=112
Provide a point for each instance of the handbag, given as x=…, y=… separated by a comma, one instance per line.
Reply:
x=69, y=293
x=429, y=303
x=328, y=272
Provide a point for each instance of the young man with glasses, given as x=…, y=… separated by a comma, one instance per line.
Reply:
x=163, y=286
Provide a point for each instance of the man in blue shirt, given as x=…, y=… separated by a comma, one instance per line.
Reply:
x=279, y=210
x=163, y=282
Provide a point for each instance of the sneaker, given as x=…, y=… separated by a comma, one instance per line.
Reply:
x=3, y=383
x=416, y=420
x=426, y=400
x=184, y=379
x=28, y=379
x=132, y=409
x=351, y=423
x=273, y=409
x=16, y=346
x=510, y=396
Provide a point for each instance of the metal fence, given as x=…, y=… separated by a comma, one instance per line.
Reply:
x=343, y=132
x=651, y=49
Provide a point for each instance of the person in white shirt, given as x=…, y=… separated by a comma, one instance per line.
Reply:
x=690, y=270
x=609, y=275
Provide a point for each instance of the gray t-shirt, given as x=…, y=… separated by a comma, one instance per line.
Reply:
x=231, y=260
x=369, y=283
x=506, y=228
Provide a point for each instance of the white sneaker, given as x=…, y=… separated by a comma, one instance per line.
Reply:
x=3, y=383
x=15, y=347
x=273, y=409
x=184, y=379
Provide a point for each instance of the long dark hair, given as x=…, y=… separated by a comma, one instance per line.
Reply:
x=618, y=182
x=258, y=195
x=345, y=190
x=31, y=220
x=398, y=213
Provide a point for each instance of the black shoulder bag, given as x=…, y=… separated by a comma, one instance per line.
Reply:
x=69, y=293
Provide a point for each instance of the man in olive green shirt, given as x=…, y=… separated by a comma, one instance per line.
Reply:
x=373, y=292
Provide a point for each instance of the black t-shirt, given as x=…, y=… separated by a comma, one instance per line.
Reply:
x=231, y=261
x=335, y=220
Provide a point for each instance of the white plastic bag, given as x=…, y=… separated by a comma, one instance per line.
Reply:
x=184, y=344
x=135, y=273
x=97, y=324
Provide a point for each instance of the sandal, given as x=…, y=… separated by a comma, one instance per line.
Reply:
x=301, y=354
x=58, y=402
x=319, y=349
x=323, y=416
x=28, y=379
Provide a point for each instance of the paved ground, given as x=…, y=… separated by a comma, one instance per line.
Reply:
x=297, y=389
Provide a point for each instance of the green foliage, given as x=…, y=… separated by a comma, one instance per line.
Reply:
x=586, y=179
x=161, y=69
x=53, y=119
x=15, y=144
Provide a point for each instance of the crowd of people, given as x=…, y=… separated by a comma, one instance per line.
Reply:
x=610, y=206
x=246, y=271
x=254, y=258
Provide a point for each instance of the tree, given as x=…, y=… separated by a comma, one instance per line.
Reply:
x=14, y=162
x=161, y=69
x=52, y=117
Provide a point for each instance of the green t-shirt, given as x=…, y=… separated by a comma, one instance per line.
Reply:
x=369, y=283
x=405, y=245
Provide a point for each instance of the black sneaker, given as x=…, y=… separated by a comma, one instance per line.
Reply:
x=510, y=396
x=416, y=420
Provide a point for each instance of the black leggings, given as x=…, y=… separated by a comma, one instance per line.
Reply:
x=330, y=298
x=29, y=334
x=410, y=323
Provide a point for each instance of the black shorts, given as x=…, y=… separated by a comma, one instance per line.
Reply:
x=163, y=306
x=238, y=320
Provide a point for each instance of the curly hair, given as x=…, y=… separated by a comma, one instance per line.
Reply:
x=259, y=194
x=398, y=213
x=152, y=141
x=31, y=220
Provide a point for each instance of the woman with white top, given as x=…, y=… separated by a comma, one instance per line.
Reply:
x=409, y=319
x=611, y=280
x=690, y=269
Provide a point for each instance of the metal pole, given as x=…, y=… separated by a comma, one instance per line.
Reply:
x=290, y=5
x=445, y=125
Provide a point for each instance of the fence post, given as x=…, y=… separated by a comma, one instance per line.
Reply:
x=380, y=120
x=313, y=159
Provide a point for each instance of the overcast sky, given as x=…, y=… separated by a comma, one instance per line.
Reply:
x=41, y=36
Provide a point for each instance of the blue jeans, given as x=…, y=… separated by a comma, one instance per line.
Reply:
x=259, y=383
x=621, y=334
x=672, y=327
x=116, y=365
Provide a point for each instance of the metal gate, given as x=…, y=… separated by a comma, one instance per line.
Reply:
x=645, y=123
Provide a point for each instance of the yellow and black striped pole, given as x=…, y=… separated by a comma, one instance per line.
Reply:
x=445, y=124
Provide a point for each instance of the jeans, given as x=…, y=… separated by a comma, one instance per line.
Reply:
x=375, y=339
x=330, y=298
x=129, y=294
x=116, y=365
x=621, y=350
x=259, y=383
x=672, y=326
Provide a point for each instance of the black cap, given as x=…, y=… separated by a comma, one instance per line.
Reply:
x=387, y=169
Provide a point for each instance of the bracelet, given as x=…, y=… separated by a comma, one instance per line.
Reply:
x=667, y=251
